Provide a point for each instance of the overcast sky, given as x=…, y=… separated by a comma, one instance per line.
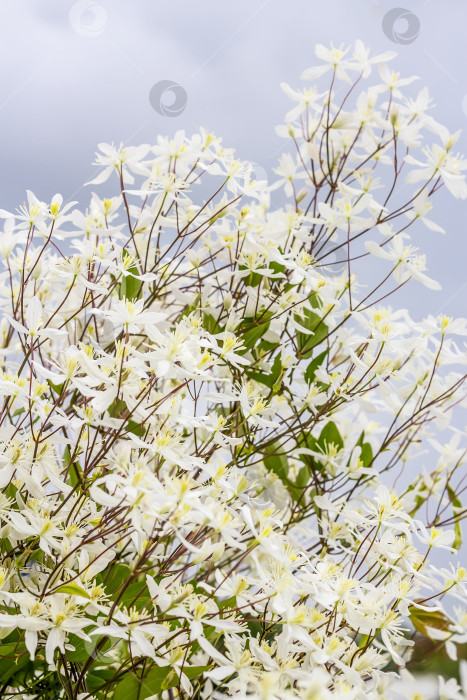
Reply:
x=77, y=73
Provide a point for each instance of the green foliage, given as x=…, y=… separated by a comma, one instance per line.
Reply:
x=330, y=435
x=130, y=287
x=13, y=657
x=456, y=508
x=268, y=379
x=255, y=329
x=73, y=588
x=314, y=365
x=317, y=332
x=430, y=623
x=210, y=324
x=275, y=460
x=158, y=679
x=366, y=454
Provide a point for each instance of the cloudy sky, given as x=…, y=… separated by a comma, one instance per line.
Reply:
x=78, y=73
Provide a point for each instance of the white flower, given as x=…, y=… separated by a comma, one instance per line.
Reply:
x=436, y=537
x=34, y=327
x=120, y=159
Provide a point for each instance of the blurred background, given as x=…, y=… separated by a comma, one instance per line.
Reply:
x=78, y=73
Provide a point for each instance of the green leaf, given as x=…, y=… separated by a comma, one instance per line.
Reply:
x=277, y=267
x=456, y=507
x=112, y=581
x=424, y=620
x=136, y=595
x=75, y=471
x=117, y=409
x=330, y=434
x=58, y=388
x=276, y=461
x=130, y=288
x=66, y=456
x=363, y=640
x=81, y=652
x=13, y=657
x=267, y=346
x=251, y=336
x=302, y=478
x=271, y=378
x=301, y=483
x=251, y=280
x=158, y=679
x=72, y=589
x=133, y=686
x=136, y=428
x=5, y=545
x=314, y=365
x=227, y=603
x=317, y=332
x=95, y=679
x=210, y=323
x=84, y=649
x=366, y=454
x=191, y=307
x=192, y=672
x=315, y=300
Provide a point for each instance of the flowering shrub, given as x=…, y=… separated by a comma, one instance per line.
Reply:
x=206, y=413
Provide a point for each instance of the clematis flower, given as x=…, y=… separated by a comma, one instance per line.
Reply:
x=34, y=327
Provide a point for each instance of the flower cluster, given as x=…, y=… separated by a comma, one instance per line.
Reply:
x=213, y=473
